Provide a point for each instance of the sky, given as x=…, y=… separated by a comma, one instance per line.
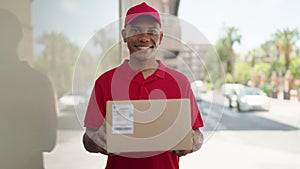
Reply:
x=77, y=19
x=257, y=20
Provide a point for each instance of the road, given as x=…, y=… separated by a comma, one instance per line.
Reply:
x=254, y=140
x=249, y=140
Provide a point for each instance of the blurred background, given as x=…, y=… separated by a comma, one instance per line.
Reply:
x=242, y=58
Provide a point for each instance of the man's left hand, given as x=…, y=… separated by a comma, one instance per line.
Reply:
x=197, y=139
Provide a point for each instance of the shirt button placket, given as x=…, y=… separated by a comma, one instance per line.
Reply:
x=143, y=91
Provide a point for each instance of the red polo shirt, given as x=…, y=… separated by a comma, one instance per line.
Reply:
x=124, y=83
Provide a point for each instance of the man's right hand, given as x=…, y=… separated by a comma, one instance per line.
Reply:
x=95, y=140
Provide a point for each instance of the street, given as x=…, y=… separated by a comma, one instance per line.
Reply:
x=250, y=140
x=253, y=140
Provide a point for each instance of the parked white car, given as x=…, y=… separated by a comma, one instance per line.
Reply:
x=198, y=87
x=252, y=99
x=73, y=99
x=230, y=91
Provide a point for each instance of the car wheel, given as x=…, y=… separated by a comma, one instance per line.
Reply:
x=230, y=103
x=238, y=107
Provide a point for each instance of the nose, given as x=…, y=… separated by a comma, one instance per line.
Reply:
x=143, y=37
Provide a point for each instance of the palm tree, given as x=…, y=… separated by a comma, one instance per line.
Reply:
x=110, y=49
x=54, y=44
x=252, y=57
x=298, y=52
x=232, y=36
x=270, y=49
x=223, y=53
x=57, y=59
x=286, y=40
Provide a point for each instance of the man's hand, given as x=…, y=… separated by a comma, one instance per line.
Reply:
x=180, y=153
x=95, y=140
x=197, y=139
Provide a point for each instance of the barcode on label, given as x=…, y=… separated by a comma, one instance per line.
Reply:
x=122, y=118
x=123, y=128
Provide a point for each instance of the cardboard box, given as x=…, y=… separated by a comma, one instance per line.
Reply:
x=148, y=125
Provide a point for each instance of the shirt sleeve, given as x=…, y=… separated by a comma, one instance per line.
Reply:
x=196, y=118
x=95, y=112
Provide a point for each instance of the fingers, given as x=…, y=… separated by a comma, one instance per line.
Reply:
x=100, y=142
x=181, y=153
x=102, y=151
x=197, y=140
x=196, y=147
x=176, y=152
x=114, y=154
x=99, y=138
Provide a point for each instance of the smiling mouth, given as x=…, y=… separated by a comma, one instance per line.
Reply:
x=144, y=47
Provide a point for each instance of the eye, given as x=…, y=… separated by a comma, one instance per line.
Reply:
x=135, y=30
x=153, y=31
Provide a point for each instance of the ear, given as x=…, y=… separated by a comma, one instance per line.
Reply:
x=161, y=37
x=124, y=35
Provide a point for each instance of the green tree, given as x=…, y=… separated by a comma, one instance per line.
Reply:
x=295, y=66
x=277, y=66
x=270, y=50
x=223, y=53
x=215, y=76
x=232, y=37
x=57, y=59
x=253, y=57
x=225, y=49
x=110, y=49
x=264, y=68
x=243, y=72
x=298, y=52
x=286, y=40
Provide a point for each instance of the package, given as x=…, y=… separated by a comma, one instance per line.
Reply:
x=148, y=125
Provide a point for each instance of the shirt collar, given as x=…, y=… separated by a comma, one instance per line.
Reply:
x=160, y=71
x=124, y=68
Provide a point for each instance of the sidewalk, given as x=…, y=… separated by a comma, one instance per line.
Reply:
x=225, y=150
x=69, y=153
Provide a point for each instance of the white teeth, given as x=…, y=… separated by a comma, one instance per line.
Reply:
x=143, y=48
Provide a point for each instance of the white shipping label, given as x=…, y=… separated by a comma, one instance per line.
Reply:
x=122, y=118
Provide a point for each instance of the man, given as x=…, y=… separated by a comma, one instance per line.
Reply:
x=139, y=78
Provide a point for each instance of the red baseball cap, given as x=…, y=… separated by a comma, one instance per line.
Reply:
x=139, y=10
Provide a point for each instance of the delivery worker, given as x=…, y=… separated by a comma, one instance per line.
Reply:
x=141, y=77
